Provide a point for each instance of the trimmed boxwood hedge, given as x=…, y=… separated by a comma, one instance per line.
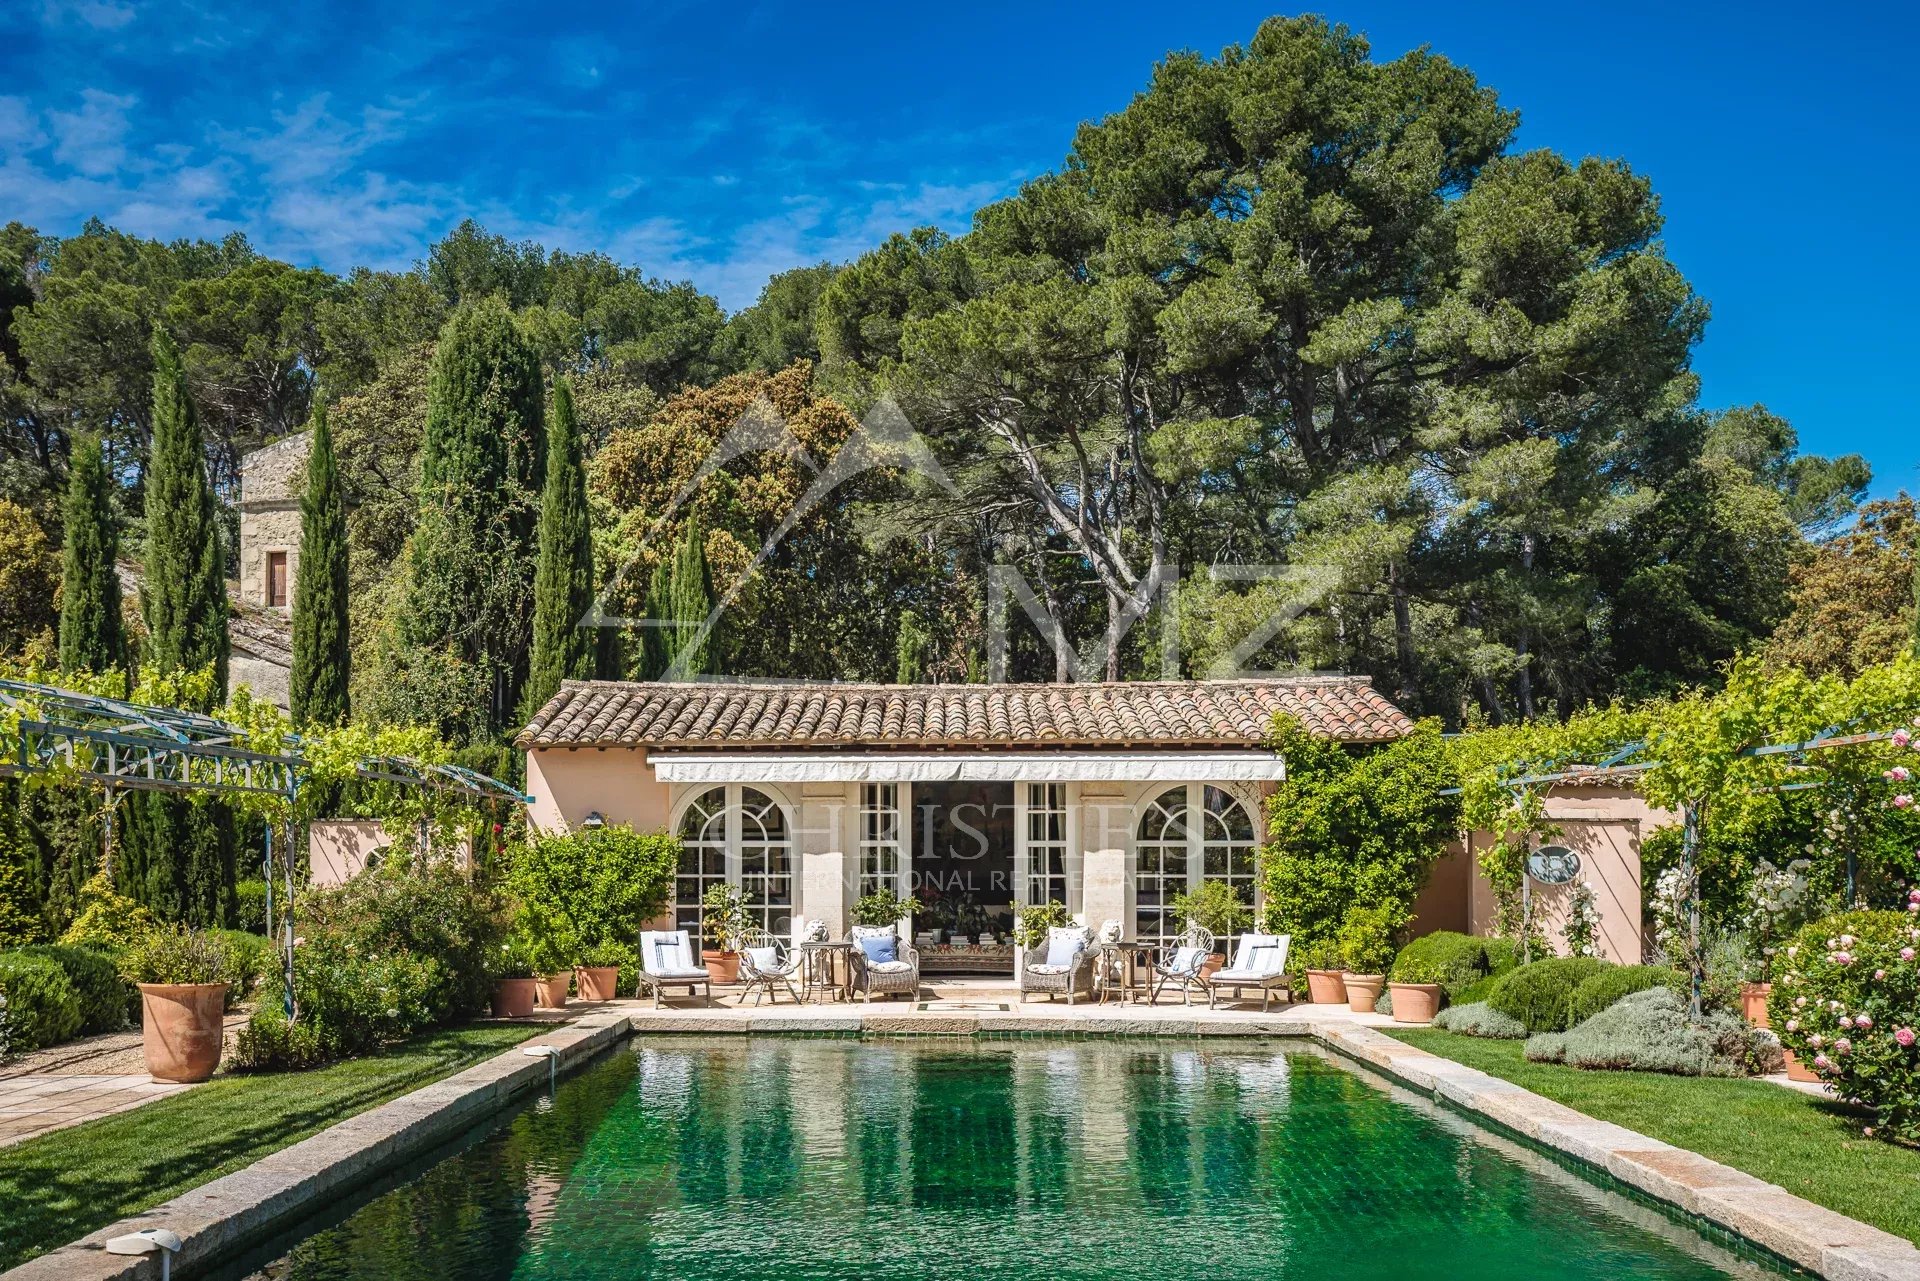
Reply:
x=42, y=1007
x=1540, y=995
x=1609, y=985
x=105, y=998
x=1458, y=962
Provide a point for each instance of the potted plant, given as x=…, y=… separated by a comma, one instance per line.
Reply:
x=723, y=918
x=552, y=948
x=1415, y=987
x=182, y=977
x=1326, y=982
x=1366, y=948
x=1218, y=908
x=1031, y=926
x=597, y=977
x=883, y=908
x=514, y=987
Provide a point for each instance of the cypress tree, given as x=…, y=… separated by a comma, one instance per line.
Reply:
x=563, y=581
x=185, y=597
x=92, y=635
x=321, y=655
x=911, y=647
x=656, y=639
x=482, y=468
x=689, y=601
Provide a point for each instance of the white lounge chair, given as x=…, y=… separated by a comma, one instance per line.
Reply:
x=1260, y=962
x=666, y=960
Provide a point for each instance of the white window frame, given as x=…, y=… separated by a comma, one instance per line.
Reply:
x=1196, y=846
x=733, y=816
x=1061, y=798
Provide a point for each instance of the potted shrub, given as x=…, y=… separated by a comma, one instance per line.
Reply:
x=597, y=977
x=1326, y=981
x=1217, y=908
x=1366, y=948
x=1415, y=985
x=182, y=977
x=882, y=908
x=723, y=918
x=514, y=987
x=1031, y=926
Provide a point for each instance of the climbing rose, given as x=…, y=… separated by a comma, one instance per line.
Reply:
x=1906, y=954
x=1879, y=974
x=1822, y=1062
x=1901, y=738
x=1793, y=1025
x=1863, y=1021
x=1843, y=1046
x=1903, y=1037
x=1846, y=1020
x=1902, y=801
x=1898, y=774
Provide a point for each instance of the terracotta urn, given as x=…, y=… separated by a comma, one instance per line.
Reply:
x=1415, y=1002
x=1753, y=1002
x=1213, y=962
x=551, y=989
x=1326, y=987
x=514, y=998
x=1798, y=1071
x=597, y=982
x=722, y=967
x=181, y=1029
x=1363, y=990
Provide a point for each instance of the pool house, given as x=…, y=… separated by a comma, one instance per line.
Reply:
x=974, y=799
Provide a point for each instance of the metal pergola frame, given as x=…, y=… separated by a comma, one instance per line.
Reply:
x=123, y=747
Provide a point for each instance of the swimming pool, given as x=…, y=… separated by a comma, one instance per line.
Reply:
x=777, y=1158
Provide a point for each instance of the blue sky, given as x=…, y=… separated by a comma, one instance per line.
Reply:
x=723, y=143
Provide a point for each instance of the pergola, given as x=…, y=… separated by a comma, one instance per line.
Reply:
x=126, y=747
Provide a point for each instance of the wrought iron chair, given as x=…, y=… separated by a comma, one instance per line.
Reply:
x=1179, y=964
x=666, y=960
x=900, y=975
x=766, y=966
x=1066, y=967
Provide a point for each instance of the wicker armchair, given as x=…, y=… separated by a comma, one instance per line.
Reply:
x=1051, y=975
x=766, y=966
x=1179, y=965
x=900, y=976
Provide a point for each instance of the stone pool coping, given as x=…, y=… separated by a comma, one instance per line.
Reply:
x=219, y=1218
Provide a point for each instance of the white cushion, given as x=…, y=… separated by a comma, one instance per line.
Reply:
x=765, y=959
x=1048, y=969
x=666, y=952
x=1244, y=976
x=1064, y=945
x=890, y=967
x=1186, y=960
x=677, y=972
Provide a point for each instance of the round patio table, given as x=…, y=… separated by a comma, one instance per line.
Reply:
x=826, y=969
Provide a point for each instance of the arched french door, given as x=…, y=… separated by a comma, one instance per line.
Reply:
x=740, y=836
x=1185, y=835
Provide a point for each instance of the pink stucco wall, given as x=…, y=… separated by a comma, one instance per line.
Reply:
x=567, y=784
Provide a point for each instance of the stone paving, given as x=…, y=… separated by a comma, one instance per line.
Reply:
x=40, y=1103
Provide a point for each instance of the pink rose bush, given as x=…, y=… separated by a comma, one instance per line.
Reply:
x=1850, y=1007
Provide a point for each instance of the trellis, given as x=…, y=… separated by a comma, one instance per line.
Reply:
x=124, y=747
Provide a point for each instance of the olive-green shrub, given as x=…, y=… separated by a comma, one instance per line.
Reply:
x=42, y=1007
x=1650, y=1031
x=1609, y=985
x=105, y=998
x=1540, y=995
x=1479, y=1019
x=1454, y=961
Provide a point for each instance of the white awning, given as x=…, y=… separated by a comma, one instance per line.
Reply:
x=975, y=767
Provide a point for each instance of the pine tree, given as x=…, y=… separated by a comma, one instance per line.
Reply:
x=482, y=468
x=563, y=582
x=322, y=656
x=689, y=601
x=92, y=635
x=185, y=597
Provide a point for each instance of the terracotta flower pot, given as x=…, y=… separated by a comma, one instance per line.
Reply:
x=722, y=967
x=1326, y=987
x=1213, y=962
x=181, y=1029
x=514, y=998
x=1798, y=1071
x=1363, y=990
x=597, y=982
x=551, y=989
x=1415, y=1002
x=1753, y=1002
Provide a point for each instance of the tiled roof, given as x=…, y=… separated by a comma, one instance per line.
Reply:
x=1230, y=713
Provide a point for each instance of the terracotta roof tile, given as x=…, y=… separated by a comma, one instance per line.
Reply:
x=1118, y=714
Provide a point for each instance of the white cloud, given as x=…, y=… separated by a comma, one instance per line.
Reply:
x=101, y=15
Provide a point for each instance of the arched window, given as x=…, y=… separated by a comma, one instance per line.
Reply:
x=738, y=836
x=1186, y=835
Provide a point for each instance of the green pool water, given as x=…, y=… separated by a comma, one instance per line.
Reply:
x=740, y=1159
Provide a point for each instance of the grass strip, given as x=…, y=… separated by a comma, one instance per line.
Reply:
x=61, y=1186
x=1810, y=1146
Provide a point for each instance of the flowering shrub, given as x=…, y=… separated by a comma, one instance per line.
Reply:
x=1779, y=902
x=1583, y=921
x=1847, y=1003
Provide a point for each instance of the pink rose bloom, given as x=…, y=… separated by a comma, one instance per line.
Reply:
x=1821, y=1062
x=1898, y=774
x=1843, y=958
x=1800, y=1002
x=1901, y=738
x=1903, y=1037
x=1902, y=801
x=1846, y=1020
x=1846, y=940
x=1906, y=954
x=1843, y=1046
x=1816, y=1040
x=1866, y=1131
x=1913, y=896
x=1879, y=974
x=1793, y=1025
x=1863, y=1021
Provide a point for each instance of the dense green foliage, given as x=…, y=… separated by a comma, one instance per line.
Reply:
x=1602, y=989
x=92, y=633
x=185, y=596
x=42, y=1007
x=1540, y=996
x=104, y=997
x=1454, y=961
x=1353, y=829
x=1652, y=1031
x=320, y=681
x=582, y=891
x=563, y=580
x=1477, y=1018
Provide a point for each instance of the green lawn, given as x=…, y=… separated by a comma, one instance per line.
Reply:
x=61, y=1186
x=1805, y=1144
